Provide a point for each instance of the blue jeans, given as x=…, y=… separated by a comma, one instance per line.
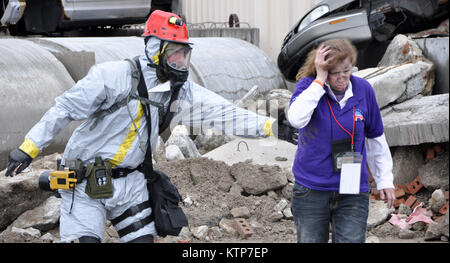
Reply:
x=315, y=210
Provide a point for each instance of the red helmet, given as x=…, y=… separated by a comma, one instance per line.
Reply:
x=166, y=26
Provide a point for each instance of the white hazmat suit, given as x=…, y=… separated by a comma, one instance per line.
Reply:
x=114, y=138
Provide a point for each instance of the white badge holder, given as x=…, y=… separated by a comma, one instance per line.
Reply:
x=350, y=165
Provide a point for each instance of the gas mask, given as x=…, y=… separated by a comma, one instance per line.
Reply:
x=173, y=64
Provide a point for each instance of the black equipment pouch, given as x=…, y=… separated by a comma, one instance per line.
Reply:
x=99, y=182
x=338, y=149
x=164, y=196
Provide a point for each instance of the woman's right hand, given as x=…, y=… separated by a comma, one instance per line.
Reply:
x=321, y=62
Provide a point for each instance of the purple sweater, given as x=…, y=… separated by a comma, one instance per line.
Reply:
x=313, y=165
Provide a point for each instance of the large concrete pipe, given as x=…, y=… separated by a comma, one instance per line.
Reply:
x=228, y=66
x=78, y=54
x=34, y=71
x=30, y=79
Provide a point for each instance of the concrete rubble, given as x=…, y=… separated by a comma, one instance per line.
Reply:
x=402, y=73
x=220, y=198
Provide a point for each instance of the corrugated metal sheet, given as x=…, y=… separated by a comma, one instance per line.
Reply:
x=273, y=18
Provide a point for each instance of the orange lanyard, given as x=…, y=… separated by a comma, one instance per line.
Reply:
x=353, y=131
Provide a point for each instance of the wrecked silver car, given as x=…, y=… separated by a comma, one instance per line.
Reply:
x=364, y=22
x=24, y=17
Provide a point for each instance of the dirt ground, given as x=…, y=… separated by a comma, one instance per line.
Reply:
x=214, y=193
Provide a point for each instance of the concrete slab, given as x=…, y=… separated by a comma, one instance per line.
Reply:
x=416, y=121
x=437, y=50
x=399, y=82
x=270, y=151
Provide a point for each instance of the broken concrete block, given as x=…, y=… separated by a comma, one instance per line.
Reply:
x=258, y=179
x=416, y=121
x=227, y=225
x=404, y=209
x=437, y=200
x=288, y=213
x=275, y=216
x=173, y=153
x=211, y=139
x=200, y=232
x=378, y=213
x=19, y=194
x=402, y=49
x=436, y=230
x=281, y=205
x=406, y=163
x=32, y=232
x=277, y=101
x=406, y=234
x=434, y=174
x=49, y=238
x=400, y=82
x=242, y=212
x=262, y=151
x=44, y=217
x=180, y=138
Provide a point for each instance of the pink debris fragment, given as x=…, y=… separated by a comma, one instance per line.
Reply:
x=418, y=215
x=401, y=223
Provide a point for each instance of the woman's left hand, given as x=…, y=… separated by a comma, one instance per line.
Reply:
x=388, y=195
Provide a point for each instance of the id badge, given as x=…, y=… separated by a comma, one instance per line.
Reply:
x=338, y=149
x=350, y=163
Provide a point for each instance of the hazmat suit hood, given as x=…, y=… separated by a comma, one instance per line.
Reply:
x=151, y=49
x=148, y=71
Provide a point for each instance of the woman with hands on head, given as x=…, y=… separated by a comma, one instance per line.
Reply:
x=340, y=136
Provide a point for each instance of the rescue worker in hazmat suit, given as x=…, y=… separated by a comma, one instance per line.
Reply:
x=113, y=136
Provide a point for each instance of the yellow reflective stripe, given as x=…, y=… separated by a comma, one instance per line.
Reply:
x=30, y=148
x=268, y=127
x=131, y=136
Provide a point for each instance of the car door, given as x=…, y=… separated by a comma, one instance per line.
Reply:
x=108, y=9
